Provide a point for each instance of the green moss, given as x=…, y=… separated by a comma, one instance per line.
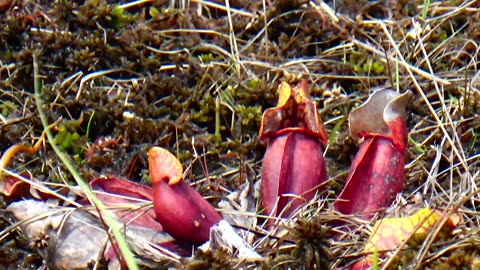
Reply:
x=120, y=17
x=153, y=11
x=206, y=57
x=362, y=64
x=69, y=140
x=357, y=68
x=6, y=107
x=378, y=68
x=253, y=83
x=250, y=116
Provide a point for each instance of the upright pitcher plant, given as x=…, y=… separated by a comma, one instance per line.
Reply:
x=376, y=175
x=293, y=167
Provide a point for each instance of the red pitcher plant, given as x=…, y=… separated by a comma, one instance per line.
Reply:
x=293, y=168
x=377, y=174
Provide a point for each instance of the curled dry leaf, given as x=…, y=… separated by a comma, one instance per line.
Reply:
x=21, y=186
x=293, y=167
x=181, y=210
x=235, y=208
x=377, y=173
x=389, y=233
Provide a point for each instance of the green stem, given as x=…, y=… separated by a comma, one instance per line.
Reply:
x=217, y=135
x=375, y=259
x=417, y=146
x=109, y=219
x=87, y=134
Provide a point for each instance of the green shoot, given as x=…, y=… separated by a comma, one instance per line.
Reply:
x=87, y=134
x=417, y=146
x=331, y=137
x=375, y=259
x=107, y=216
x=426, y=4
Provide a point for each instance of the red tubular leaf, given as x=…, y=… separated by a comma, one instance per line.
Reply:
x=377, y=172
x=399, y=136
x=181, y=210
x=293, y=170
x=375, y=178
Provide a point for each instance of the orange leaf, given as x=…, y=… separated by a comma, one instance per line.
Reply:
x=389, y=233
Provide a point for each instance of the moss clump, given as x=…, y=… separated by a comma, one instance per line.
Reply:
x=460, y=258
x=364, y=65
x=6, y=107
x=69, y=140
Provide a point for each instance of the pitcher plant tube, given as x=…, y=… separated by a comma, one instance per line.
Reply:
x=179, y=208
x=293, y=167
x=377, y=174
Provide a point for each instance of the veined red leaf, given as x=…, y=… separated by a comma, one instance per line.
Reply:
x=377, y=172
x=293, y=168
x=114, y=191
x=181, y=210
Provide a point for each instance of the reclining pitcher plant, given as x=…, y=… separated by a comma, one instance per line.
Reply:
x=293, y=168
x=180, y=209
